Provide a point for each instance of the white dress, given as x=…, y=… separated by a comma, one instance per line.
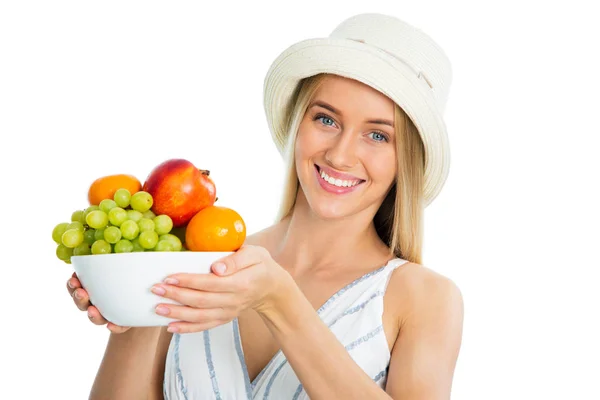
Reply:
x=210, y=364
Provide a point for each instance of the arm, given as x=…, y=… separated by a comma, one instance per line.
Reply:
x=131, y=366
x=426, y=350
x=423, y=357
x=158, y=371
x=134, y=359
x=325, y=368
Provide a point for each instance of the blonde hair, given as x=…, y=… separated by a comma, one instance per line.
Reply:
x=399, y=220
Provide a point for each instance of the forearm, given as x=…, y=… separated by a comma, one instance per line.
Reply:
x=320, y=361
x=127, y=365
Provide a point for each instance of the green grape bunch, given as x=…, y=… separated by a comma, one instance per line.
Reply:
x=123, y=224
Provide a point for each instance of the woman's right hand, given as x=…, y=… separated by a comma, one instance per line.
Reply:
x=82, y=301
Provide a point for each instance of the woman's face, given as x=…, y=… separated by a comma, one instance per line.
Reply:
x=345, y=150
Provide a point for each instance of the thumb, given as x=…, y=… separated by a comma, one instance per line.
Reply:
x=220, y=268
x=245, y=257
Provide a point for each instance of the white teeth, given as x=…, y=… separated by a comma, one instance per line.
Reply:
x=338, y=182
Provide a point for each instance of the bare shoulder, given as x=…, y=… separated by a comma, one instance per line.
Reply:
x=429, y=312
x=263, y=238
x=429, y=315
x=418, y=290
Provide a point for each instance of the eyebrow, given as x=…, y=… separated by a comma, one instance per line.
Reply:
x=333, y=110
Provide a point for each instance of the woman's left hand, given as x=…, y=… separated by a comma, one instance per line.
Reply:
x=248, y=278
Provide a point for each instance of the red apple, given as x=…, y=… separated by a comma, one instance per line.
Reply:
x=179, y=190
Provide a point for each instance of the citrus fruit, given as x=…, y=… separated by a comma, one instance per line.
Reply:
x=215, y=228
x=106, y=186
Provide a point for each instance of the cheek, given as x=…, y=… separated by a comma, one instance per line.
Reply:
x=383, y=169
x=301, y=150
x=299, y=147
x=307, y=143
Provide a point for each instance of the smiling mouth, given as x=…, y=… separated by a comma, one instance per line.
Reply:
x=341, y=183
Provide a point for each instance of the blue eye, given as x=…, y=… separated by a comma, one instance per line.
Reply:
x=324, y=118
x=379, y=137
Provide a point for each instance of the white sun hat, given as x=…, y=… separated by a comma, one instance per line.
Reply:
x=387, y=54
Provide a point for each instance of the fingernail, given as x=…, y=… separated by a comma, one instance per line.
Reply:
x=69, y=283
x=158, y=290
x=171, y=281
x=220, y=268
x=162, y=310
x=77, y=295
x=172, y=329
x=90, y=316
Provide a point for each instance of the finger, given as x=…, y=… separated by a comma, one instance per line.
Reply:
x=195, y=315
x=194, y=298
x=245, y=257
x=95, y=316
x=116, y=328
x=73, y=283
x=81, y=299
x=189, y=327
x=204, y=282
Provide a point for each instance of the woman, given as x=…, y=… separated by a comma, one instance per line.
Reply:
x=330, y=302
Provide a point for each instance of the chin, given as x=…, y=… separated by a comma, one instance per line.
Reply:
x=329, y=206
x=326, y=210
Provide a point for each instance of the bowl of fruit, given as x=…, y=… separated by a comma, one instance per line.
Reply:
x=132, y=236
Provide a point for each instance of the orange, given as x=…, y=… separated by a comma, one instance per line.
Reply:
x=215, y=228
x=106, y=186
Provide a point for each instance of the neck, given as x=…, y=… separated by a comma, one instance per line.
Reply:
x=307, y=242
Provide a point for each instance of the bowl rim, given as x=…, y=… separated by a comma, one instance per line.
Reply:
x=152, y=253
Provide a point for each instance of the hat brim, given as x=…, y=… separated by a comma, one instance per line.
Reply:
x=373, y=67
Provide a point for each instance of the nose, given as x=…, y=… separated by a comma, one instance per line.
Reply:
x=342, y=153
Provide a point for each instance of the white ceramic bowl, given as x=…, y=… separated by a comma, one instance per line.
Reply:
x=119, y=284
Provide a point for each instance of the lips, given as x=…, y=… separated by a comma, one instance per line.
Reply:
x=341, y=183
x=337, y=175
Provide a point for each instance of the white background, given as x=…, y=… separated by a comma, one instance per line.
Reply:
x=93, y=88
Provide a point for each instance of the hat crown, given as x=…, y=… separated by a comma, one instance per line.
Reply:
x=406, y=43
